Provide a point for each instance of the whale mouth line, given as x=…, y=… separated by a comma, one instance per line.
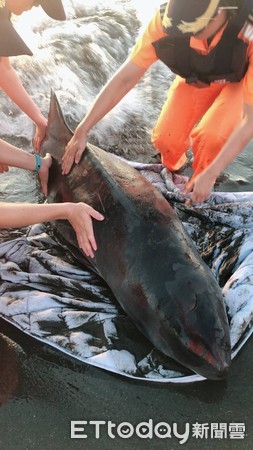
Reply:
x=193, y=309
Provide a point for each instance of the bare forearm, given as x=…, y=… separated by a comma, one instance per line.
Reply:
x=14, y=215
x=119, y=85
x=233, y=147
x=122, y=82
x=14, y=157
x=12, y=86
x=79, y=215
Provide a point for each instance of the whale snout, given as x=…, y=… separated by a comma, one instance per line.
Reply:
x=211, y=361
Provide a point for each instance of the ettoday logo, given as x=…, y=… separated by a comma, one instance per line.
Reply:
x=83, y=429
x=125, y=430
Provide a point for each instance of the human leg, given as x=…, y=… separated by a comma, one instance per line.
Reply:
x=209, y=136
x=184, y=106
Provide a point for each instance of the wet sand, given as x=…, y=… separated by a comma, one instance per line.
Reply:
x=54, y=389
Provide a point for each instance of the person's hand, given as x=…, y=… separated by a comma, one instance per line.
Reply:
x=74, y=150
x=39, y=135
x=80, y=216
x=200, y=188
x=46, y=163
x=3, y=168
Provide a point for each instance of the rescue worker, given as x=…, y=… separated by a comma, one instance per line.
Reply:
x=209, y=107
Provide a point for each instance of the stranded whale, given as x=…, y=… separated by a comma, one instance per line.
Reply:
x=144, y=254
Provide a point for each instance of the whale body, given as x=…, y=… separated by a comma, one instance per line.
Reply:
x=144, y=254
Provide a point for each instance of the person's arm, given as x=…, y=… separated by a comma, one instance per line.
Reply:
x=140, y=59
x=120, y=84
x=15, y=157
x=78, y=214
x=12, y=86
x=201, y=186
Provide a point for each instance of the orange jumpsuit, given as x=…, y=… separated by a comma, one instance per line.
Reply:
x=201, y=118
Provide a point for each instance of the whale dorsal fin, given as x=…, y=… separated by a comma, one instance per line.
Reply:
x=58, y=132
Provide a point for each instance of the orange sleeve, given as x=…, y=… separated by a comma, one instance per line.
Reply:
x=143, y=53
x=248, y=79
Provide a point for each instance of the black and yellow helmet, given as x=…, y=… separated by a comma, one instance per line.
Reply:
x=189, y=17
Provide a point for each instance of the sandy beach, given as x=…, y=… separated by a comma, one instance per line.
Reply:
x=54, y=390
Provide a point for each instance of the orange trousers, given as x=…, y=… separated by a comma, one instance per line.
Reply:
x=201, y=118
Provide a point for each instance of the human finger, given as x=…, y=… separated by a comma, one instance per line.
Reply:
x=67, y=160
x=79, y=154
x=44, y=183
x=189, y=187
x=94, y=213
x=85, y=237
x=4, y=168
x=85, y=245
